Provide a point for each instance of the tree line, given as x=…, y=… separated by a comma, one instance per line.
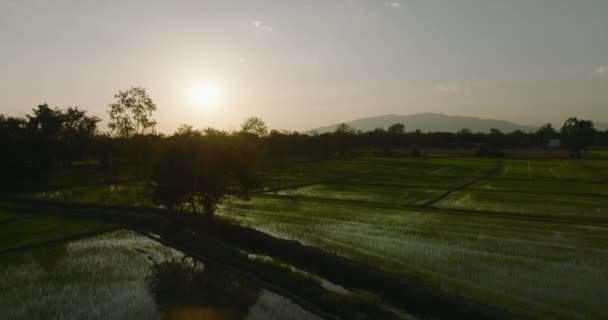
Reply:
x=196, y=170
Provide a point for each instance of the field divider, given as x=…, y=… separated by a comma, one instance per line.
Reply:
x=463, y=186
x=306, y=184
x=262, y=283
x=571, y=220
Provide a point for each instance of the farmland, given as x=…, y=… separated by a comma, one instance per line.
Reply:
x=523, y=235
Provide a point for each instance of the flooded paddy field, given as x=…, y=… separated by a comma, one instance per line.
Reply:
x=125, y=275
x=527, y=236
x=523, y=235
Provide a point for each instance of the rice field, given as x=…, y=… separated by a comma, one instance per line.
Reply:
x=530, y=237
x=525, y=235
x=106, y=277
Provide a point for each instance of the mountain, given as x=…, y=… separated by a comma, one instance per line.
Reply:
x=601, y=125
x=431, y=122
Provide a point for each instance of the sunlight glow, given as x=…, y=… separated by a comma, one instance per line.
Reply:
x=206, y=95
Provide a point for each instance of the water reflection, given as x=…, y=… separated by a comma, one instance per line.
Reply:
x=184, y=282
x=123, y=275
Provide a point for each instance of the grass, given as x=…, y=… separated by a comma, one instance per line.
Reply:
x=386, y=194
x=529, y=238
x=529, y=263
x=84, y=279
x=528, y=203
x=133, y=194
x=106, y=277
x=28, y=232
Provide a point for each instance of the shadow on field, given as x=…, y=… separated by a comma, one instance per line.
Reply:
x=406, y=293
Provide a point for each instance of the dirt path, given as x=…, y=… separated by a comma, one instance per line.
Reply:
x=463, y=186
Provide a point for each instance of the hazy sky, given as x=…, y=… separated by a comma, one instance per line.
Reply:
x=299, y=64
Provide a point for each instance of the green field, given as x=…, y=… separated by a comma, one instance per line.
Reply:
x=527, y=236
x=105, y=277
x=530, y=237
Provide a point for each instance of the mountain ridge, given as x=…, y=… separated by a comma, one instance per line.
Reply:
x=431, y=122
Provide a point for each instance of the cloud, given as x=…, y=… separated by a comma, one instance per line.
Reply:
x=261, y=25
x=602, y=71
x=454, y=88
x=393, y=5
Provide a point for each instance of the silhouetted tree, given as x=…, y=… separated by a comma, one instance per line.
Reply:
x=76, y=134
x=343, y=138
x=397, y=128
x=16, y=160
x=545, y=133
x=254, y=126
x=131, y=114
x=495, y=138
x=464, y=132
x=44, y=127
x=577, y=135
x=203, y=171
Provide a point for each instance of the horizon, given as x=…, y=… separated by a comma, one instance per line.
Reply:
x=304, y=159
x=303, y=66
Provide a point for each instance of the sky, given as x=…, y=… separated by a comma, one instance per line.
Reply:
x=301, y=64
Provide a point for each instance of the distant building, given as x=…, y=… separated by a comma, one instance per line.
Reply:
x=554, y=143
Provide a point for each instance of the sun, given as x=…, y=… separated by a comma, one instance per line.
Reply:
x=206, y=95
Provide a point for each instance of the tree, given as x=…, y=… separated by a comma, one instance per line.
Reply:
x=131, y=114
x=545, y=133
x=577, y=135
x=44, y=128
x=202, y=171
x=397, y=128
x=496, y=138
x=464, y=132
x=254, y=126
x=495, y=132
x=187, y=130
x=76, y=134
x=15, y=162
x=344, y=129
x=343, y=138
x=173, y=179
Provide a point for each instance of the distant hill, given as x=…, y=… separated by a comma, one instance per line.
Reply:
x=431, y=122
x=601, y=125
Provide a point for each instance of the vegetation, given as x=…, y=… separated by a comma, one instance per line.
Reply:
x=201, y=171
x=526, y=238
x=577, y=135
x=522, y=235
x=32, y=146
x=131, y=114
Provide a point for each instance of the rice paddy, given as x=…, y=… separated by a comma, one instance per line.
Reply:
x=106, y=277
x=529, y=237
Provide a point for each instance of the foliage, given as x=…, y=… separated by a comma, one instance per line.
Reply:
x=32, y=145
x=185, y=282
x=514, y=240
x=202, y=171
x=577, y=135
x=254, y=126
x=343, y=139
x=131, y=114
x=397, y=128
x=546, y=133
